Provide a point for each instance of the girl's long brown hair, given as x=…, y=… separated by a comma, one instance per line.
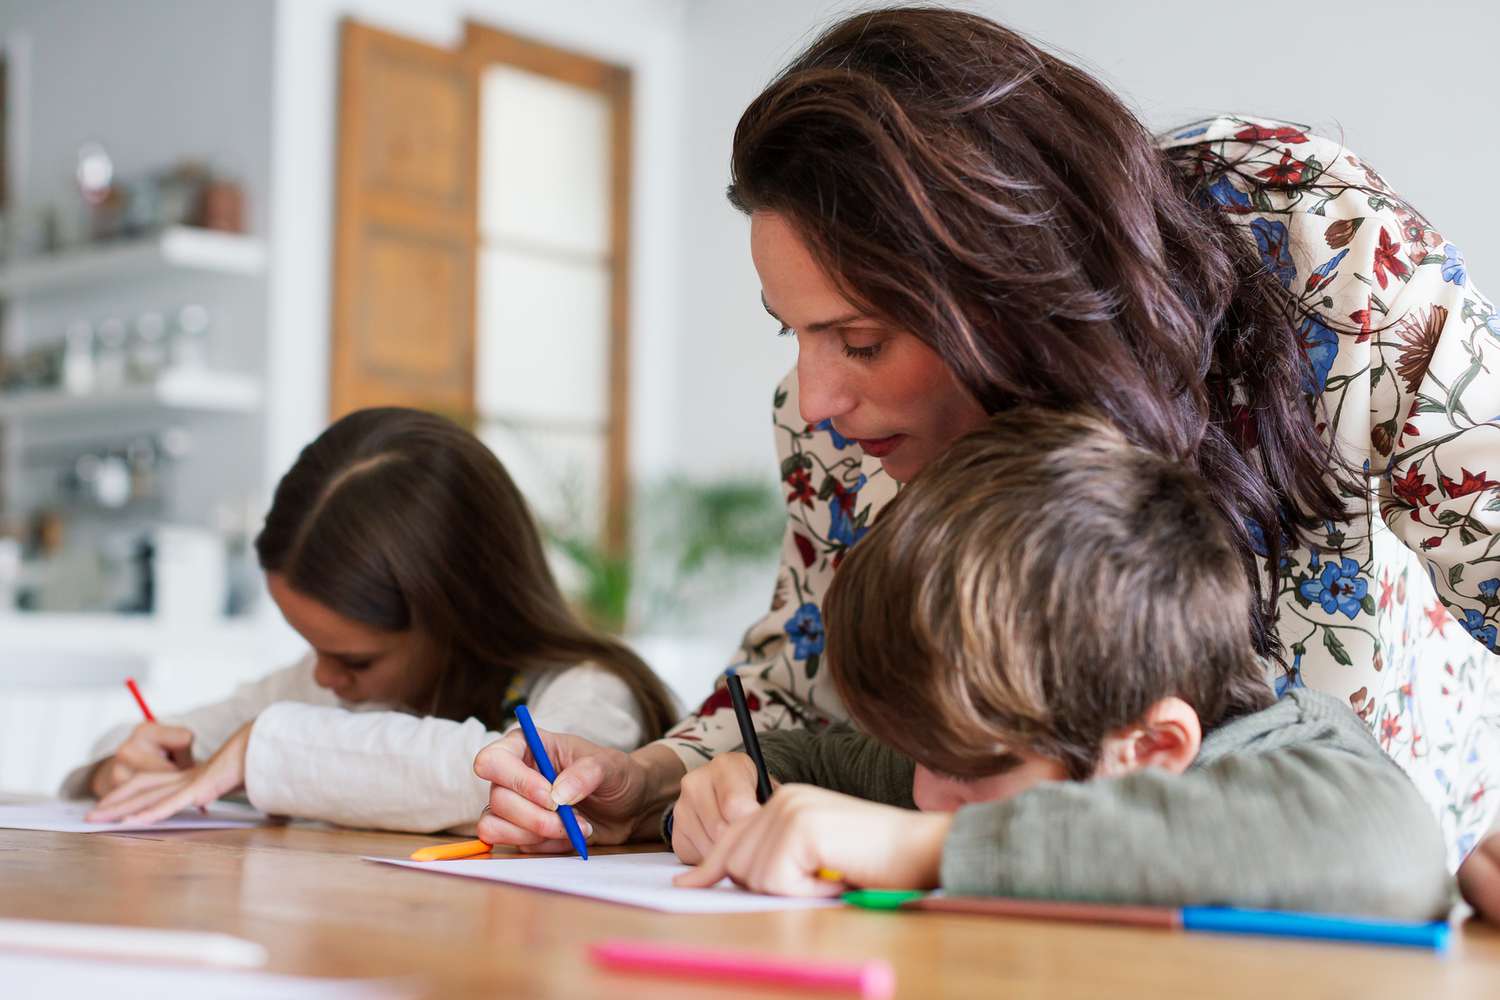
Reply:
x=400, y=519
x=1005, y=207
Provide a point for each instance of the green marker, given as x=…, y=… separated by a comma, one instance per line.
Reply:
x=881, y=899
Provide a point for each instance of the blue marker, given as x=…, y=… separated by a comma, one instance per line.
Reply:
x=1230, y=920
x=544, y=764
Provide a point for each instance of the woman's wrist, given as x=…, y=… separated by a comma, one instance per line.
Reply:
x=661, y=772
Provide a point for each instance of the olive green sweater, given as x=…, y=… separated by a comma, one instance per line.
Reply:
x=1294, y=807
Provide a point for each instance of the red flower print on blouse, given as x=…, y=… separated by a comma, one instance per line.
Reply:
x=1412, y=488
x=1390, y=728
x=719, y=700
x=1362, y=317
x=800, y=482
x=1471, y=484
x=1387, y=259
x=1280, y=133
x=1288, y=171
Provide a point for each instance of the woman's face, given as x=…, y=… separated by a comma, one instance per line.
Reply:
x=354, y=661
x=880, y=386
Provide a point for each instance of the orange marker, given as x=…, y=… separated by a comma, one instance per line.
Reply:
x=451, y=852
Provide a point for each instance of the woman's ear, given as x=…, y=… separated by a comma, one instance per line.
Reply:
x=1167, y=736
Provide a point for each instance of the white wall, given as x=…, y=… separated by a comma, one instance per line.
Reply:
x=643, y=35
x=1413, y=88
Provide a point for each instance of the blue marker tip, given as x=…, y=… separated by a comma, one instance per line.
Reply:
x=544, y=765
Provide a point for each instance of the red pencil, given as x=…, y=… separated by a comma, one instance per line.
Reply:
x=145, y=709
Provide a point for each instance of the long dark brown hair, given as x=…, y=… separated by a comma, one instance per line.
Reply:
x=1004, y=206
x=400, y=519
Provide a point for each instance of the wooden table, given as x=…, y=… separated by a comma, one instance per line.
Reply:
x=304, y=893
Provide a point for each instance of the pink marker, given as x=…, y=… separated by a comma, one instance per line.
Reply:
x=873, y=980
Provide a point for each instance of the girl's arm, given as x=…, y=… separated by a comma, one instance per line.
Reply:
x=211, y=724
x=394, y=771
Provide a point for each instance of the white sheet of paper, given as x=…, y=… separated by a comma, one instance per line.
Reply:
x=633, y=879
x=67, y=817
x=48, y=977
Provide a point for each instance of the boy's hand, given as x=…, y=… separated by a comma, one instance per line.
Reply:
x=147, y=798
x=1479, y=878
x=781, y=847
x=150, y=747
x=713, y=796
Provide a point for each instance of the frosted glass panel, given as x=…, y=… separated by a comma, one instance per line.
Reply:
x=544, y=162
x=559, y=472
x=543, y=339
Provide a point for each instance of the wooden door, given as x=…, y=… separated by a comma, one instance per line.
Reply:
x=404, y=252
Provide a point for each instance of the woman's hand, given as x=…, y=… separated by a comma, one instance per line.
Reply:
x=151, y=748
x=713, y=797
x=618, y=796
x=153, y=796
x=1479, y=878
x=782, y=847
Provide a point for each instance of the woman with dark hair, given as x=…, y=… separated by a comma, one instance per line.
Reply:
x=953, y=222
x=400, y=549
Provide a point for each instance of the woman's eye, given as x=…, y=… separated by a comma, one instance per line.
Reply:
x=356, y=664
x=861, y=353
x=786, y=331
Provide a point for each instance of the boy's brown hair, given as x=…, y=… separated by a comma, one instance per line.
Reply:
x=1038, y=587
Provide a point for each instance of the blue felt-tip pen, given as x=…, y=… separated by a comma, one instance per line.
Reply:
x=1276, y=923
x=544, y=765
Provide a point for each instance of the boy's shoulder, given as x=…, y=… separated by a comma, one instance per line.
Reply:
x=1300, y=718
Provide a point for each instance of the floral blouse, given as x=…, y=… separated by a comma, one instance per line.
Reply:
x=1396, y=608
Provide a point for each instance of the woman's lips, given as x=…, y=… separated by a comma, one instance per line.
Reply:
x=881, y=447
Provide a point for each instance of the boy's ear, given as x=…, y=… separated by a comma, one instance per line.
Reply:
x=1167, y=736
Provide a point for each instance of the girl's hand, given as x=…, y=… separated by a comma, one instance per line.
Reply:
x=622, y=794
x=151, y=748
x=713, y=797
x=148, y=798
x=782, y=847
x=1479, y=878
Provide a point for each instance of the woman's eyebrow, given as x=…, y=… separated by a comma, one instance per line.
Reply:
x=821, y=325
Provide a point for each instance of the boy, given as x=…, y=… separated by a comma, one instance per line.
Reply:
x=1049, y=634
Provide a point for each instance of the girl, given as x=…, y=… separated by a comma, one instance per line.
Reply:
x=953, y=221
x=399, y=548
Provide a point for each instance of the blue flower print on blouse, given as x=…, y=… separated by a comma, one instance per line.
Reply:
x=1476, y=626
x=1338, y=588
x=839, y=441
x=1292, y=679
x=1454, y=270
x=805, y=629
x=841, y=506
x=1275, y=252
x=1490, y=589
x=1321, y=346
x=1229, y=197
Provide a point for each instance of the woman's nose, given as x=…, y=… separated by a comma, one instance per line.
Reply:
x=823, y=391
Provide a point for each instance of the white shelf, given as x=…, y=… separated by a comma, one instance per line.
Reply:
x=175, y=247
x=188, y=390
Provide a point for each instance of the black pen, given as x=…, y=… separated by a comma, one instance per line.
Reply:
x=747, y=736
